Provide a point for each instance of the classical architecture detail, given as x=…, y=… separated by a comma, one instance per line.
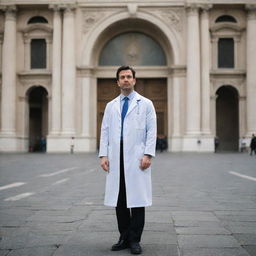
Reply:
x=132, y=8
x=171, y=16
x=93, y=16
x=251, y=8
x=10, y=10
x=196, y=61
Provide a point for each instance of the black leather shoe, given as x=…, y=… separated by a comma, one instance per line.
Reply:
x=135, y=248
x=120, y=245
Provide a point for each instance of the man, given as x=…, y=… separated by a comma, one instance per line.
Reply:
x=127, y=145
x=253, y=145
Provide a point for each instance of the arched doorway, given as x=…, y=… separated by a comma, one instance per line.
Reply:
x=137, y=49
x=227, y=118
x=38, y=118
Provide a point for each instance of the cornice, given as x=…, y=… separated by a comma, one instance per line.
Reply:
x=226, y=25
x=35, y=74
x=32, y=27
x=228, y=73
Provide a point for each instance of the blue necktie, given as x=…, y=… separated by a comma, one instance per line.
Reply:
x=124, y=111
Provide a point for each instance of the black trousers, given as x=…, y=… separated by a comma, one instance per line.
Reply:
x=130, y=221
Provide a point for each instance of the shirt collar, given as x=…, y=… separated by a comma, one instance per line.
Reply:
x=130, y=96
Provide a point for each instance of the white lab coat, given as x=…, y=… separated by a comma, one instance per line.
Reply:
x=139, y=138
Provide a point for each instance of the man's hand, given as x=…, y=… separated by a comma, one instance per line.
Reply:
x=145, y=162
x=104, y=163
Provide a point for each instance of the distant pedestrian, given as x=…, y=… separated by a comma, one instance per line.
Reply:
x=72, y=145
x=216, y=144
x=161, y=143
x=253, y=145
x=43, y=144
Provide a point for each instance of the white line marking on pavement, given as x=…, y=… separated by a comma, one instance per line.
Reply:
x=58, y=172
x=87, y=172
x=91, y=170
x=18, y=197
x=60, y=181
x=243, y=176
x=13, y=185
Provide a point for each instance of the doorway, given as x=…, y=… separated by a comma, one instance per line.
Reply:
x=38, y=119
x=227, y=118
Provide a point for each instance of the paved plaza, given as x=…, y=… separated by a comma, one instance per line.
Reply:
x=203, y=205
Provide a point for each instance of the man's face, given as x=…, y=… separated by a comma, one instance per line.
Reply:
x=126, y=81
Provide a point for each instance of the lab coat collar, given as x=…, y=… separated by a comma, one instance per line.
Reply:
x=133, y=104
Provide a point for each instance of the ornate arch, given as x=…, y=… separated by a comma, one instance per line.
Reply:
x=90, y=39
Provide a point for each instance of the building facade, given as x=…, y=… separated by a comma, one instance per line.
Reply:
x=195, y=59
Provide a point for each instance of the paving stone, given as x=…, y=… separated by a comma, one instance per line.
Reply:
x=96, y=249
x=4, y=252
x=251, y=249
x=81, y=237
x=246, y=239
x=34, y=251
x=202, y=231
x=197, y=223
x=159, y=217
x=31, y=239
x=161, y=227
x=192, y=217
x=242, y=228
x=154, y=237
x=214, y=252
x=207, y=241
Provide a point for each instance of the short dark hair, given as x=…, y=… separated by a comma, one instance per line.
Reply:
x=125, y=68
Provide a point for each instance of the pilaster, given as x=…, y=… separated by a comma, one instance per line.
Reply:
x=251, y=68
x=8, y=117
x=205, y=69
x=193, y=72
x=68, y=72
x=56, y=70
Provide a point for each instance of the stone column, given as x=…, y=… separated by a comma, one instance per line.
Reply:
x=68, y=72
x=8, y=117
x=205, y=71
x=56, y=72
x=86, y=106
x=176, y=106
x=251, y=69
x=1, y=44
x=193, y=72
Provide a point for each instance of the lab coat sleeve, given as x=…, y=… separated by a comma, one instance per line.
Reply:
x=104, y=135
x=150, y=148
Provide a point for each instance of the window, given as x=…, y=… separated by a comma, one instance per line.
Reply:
x=226, y=53
x=38, y=53
x=226, y=18
x=37, y=19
